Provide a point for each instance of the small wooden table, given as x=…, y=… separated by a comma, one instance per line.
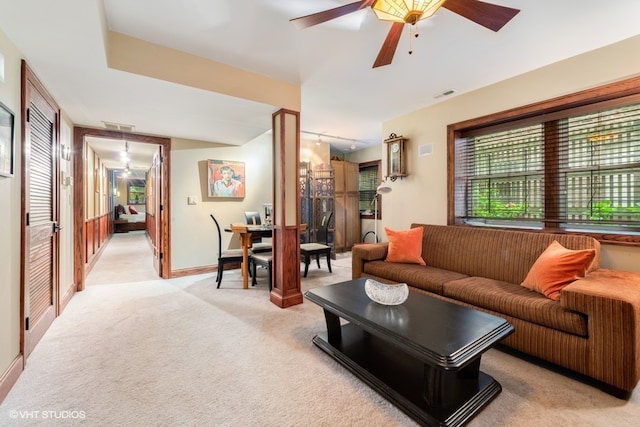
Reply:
x=423, y=355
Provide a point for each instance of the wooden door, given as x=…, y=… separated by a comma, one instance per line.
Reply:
x=155, y=204
x=351, y=220
x=40, y=211
x=339, y=236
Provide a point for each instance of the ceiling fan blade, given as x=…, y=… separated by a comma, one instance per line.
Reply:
x=329, y=14
x=388, y=49
x=492, y=16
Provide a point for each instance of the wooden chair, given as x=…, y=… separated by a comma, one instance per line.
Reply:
x=231, y=256
x=320, y=246
x=263, y=259
x=253, y=218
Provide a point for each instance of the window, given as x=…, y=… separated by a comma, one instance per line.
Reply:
x=369, y=179
x=136, y=192
x=571, y=167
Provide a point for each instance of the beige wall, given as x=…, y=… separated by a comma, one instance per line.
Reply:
x=10, y=217
x=66, y=210
x=314, y=153
x=422, y=197
x=193, y=235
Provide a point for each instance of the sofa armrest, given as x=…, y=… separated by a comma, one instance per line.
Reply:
x=366, y=252
x=611, y=301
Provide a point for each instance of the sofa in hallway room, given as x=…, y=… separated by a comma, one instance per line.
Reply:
x=593, y=328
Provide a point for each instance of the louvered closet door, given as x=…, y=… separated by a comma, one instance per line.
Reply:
x=41, y=249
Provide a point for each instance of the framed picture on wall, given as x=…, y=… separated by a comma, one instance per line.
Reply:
x=226, y=179
x=7, y=146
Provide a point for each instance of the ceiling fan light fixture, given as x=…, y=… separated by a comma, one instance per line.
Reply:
x=406, y=11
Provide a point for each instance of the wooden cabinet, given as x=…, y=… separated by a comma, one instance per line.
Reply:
x=347, y=214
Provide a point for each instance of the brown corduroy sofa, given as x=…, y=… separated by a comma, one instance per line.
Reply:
x=594, y=329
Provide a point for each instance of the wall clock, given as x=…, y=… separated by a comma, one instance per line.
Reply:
x=396, y=164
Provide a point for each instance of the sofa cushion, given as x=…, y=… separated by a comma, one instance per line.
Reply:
x=514, y=300
x=422, y=277
x=405, y=246
x=555, y=268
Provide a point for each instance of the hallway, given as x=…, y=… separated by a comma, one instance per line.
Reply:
x=127, y=258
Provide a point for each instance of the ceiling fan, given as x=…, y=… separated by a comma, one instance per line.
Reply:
x=402, y=12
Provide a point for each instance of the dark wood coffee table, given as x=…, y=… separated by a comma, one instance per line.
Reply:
x=423, y=355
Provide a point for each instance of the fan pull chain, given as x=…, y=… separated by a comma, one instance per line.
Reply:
x=412, y=33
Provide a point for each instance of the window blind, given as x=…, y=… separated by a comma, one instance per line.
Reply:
x=573, y=169
x=368, y=183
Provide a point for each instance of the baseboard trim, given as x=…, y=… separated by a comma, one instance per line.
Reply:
x=88, y=266
x=10, y=376
x=62, y=304
x=193, y=271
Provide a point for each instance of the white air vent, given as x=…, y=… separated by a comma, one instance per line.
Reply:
x=445, y=93
x=425, y=149
x=119, y=127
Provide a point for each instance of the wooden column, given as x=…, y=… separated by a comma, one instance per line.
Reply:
x=286, y=206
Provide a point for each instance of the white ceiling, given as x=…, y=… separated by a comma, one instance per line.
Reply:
x=64, y=42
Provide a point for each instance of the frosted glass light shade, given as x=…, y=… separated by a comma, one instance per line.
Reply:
x=407, y=11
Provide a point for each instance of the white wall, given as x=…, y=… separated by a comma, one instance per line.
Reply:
x=422, y=197
x=194, y=238
x=10, y=216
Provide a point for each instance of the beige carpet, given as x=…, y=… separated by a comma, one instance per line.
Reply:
x=133, y=350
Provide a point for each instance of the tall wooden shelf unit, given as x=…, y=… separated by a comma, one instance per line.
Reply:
x=347, y=212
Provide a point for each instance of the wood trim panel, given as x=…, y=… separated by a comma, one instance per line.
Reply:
x=10, y=376
x=286, y=274
x=607, y=92
x=286, y=238
x=193, y=271
x=65, y=298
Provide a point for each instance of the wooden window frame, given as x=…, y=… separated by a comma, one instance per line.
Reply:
x=617, y=94
x=377, y=163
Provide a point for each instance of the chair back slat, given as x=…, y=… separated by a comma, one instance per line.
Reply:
x=253, y=218
x=322, y=233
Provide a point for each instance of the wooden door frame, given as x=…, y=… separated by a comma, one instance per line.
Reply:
x=29, y=79
x=79, y=135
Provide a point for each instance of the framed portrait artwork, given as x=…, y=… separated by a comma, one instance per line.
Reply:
x=226, y=179
x=7, y=145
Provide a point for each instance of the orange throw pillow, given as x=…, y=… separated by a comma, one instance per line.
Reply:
x=405, y=246
x=557, y=267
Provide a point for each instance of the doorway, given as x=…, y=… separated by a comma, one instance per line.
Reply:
x=160, y=225
x=40, y=211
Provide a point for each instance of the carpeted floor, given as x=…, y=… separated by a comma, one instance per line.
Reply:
x=134, y=350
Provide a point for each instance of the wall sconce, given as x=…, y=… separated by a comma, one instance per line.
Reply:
x=65, y=152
